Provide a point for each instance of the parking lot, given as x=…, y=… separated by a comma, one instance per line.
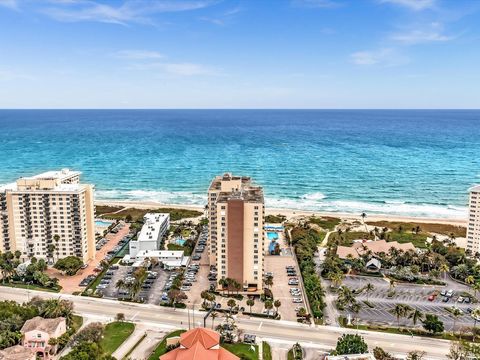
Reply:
x=71, y=284
x=277, y=265
x=199, y=278
x=416, y=296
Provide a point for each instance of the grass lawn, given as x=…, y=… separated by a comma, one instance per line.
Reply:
x=275, y=219
x=267, y=351
x=326, y=222
x=103, y=209
x=138, y=214
x=31, y=287
x=162, y=347
x=242, y=350
x=346, y=238
x=406, y=331
x=115, y=334
x=418, y=240
x=77, y=322
x=446, y=229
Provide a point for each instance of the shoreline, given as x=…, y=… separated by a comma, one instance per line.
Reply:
x=290, y=213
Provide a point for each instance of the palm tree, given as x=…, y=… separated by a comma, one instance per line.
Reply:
x=415, y=315
x=250, y=303
x=444, y=268
x=399, y=312
x=368, y=289
x=476, y=287
x=363, y=216
x=269, y=281
x=223, y=283
x=456, y=313
x=337, y=278
x=356, y=307
x=56, y=237
x=231, y=304
x=392, y=284
x=302, y=312
x=204, y=295
x=475, y=315
x=268, y=305
x=469, y=279
x=213, y=315
x=277, y=304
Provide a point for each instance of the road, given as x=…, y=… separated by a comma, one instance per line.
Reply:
x=322, y=337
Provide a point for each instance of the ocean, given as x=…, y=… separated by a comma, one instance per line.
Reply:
x=401, y=162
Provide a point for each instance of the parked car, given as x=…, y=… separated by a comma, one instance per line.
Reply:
x=445, y=299
x=461, y=299
x=443, y=292
x=297, y=300
x=431, y=297
x=449, y=293
x=196, y=257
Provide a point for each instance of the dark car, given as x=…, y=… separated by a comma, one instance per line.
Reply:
x=445, y=299
x=196, y=257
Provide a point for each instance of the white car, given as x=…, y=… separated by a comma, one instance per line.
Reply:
x=297, y=300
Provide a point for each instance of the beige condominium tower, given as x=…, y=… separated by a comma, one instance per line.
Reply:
x=236, y=247
x=473, y=230
x=52, y=208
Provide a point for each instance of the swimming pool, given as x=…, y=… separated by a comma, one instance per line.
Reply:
x=272, y=236
x=180, y=242
x=101, y=223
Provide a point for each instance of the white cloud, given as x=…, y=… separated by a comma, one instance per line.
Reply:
x=187, y=69
x=175, y=68
x=416, y=5
x=138, y=54
x=316, y=3
x=224, y=18
x=420, y=36
x=11, y=4
x=128, y=11
x=387, y=57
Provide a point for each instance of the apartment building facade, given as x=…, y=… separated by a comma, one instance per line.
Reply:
x=236, y=238
x=155, y=226
x=52, y=208
x=473, y=229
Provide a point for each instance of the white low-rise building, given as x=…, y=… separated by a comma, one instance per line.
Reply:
x=150, y=236
x=170, y=259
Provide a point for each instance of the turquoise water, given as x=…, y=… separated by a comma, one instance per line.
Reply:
x=102, y=223
x=418, y=163
x=272, y=236
x=180, y=242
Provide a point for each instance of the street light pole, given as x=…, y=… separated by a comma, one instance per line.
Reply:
x=193, y=315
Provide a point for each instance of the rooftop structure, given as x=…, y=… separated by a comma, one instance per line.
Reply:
x=35, y=210
x=376, y=247
x=199, y=344
x=150, y=236
x=17, y=352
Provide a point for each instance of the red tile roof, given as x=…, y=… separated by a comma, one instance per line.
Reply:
x=199, y=344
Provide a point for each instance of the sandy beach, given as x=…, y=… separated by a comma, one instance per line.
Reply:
x=289, y=213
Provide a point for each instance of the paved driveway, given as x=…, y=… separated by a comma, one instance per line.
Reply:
x=70, y=283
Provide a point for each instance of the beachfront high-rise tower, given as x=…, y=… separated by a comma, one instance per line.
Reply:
x=52, y=208
x=236, y=237
x=473, y=230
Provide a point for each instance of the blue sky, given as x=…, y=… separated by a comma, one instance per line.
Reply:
x=240, y=54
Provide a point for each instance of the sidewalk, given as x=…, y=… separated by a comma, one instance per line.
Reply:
x=128, y=344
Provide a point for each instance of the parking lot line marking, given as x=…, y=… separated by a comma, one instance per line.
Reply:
x=260, y=326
